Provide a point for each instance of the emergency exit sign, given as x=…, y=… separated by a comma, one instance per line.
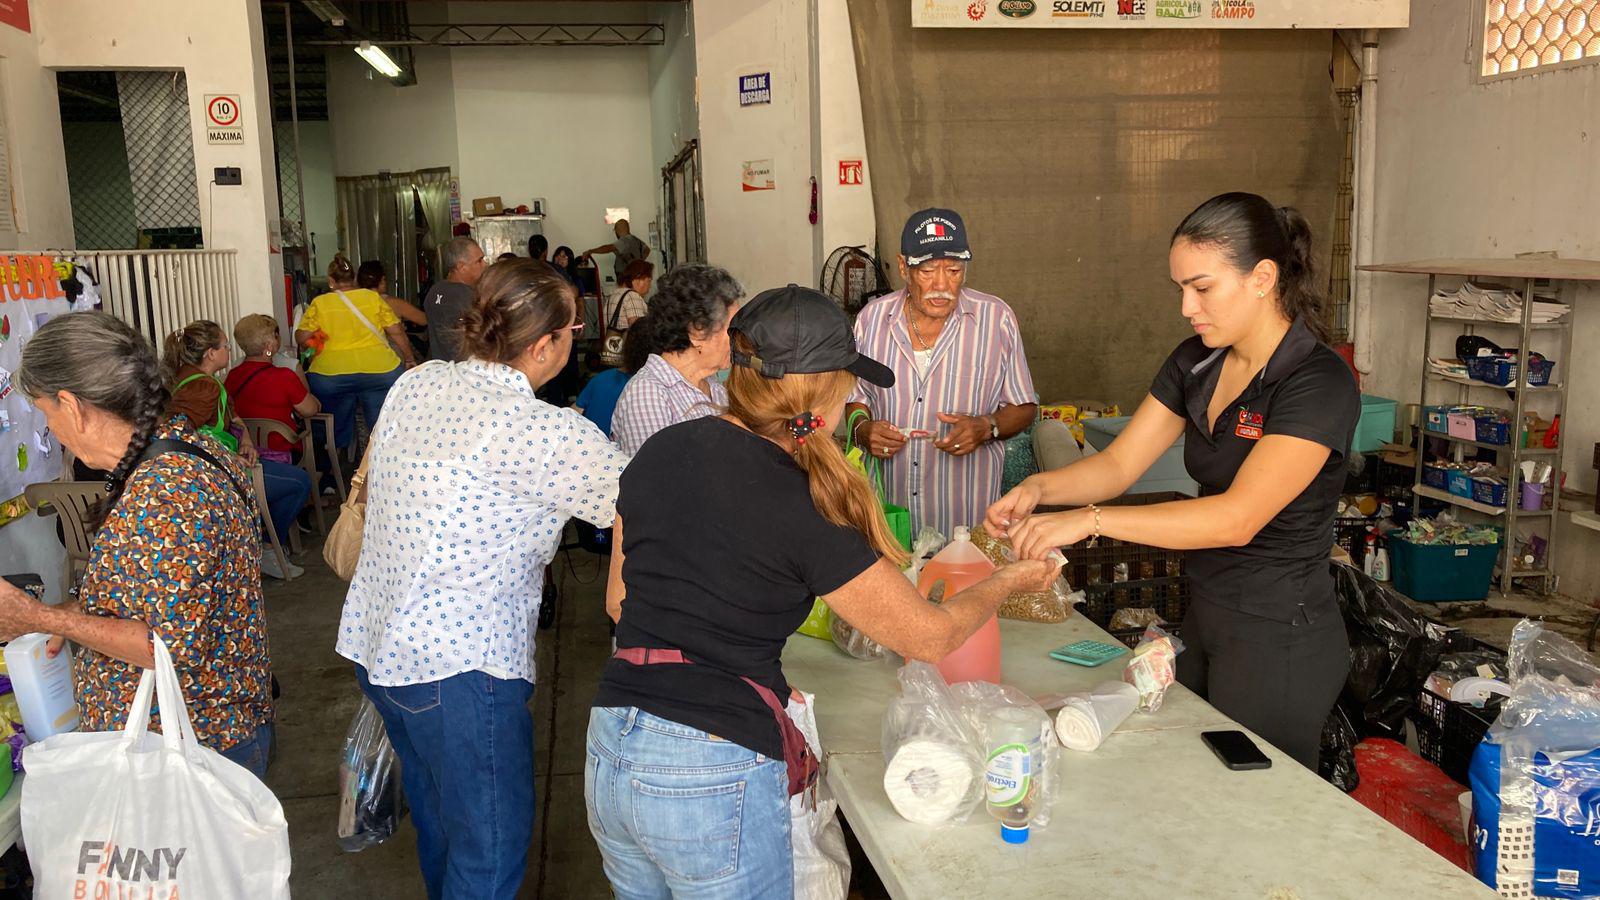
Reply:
x=224, y=121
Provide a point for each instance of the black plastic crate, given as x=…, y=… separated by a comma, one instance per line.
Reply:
x=1449, y=746
x=1351, y=534
x=1169, y=597
x=1111, y=561
x=1132, y=636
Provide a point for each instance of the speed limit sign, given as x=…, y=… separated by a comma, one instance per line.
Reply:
x=224, y=121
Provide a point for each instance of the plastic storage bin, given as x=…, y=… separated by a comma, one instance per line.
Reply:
x=1493, y=429
x=1463, y=424
x=1376, y=426
x=1435, y=477
x=1486, y=490
x=1436, y=419
x=1168, y=474
x=1503, y=371
x=1459, y=483
x=1434, y=573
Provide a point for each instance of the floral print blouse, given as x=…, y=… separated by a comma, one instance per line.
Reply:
x=181, y=552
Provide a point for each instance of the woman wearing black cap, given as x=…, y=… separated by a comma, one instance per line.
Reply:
x=691, y=757
x=1268, y=411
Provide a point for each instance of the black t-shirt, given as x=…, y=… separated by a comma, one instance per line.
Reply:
x=724, y=552
x=1305, y=391
x=446, y=303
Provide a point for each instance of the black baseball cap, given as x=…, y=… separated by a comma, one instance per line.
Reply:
x=934, y=234
x=799, y=331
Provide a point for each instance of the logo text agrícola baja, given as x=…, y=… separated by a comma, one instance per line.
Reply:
x=127, y=873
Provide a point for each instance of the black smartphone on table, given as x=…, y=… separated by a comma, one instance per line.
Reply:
x=1236, y=750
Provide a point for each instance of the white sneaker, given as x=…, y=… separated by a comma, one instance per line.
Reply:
x=269, y=567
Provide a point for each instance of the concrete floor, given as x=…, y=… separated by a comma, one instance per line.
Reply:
x=320, y=697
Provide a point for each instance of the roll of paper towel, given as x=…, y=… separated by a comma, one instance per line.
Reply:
x=1086, y=719
x=930, y=782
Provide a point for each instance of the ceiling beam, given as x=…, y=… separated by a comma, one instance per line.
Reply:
x=517, y=35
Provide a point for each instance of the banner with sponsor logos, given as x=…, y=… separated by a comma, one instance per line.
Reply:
x=30, y=295
x=1160, y=13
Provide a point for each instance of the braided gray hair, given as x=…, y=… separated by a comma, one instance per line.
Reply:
x=103, y=362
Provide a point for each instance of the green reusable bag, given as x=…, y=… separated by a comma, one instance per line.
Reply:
x=898, y=516
x=218, y=429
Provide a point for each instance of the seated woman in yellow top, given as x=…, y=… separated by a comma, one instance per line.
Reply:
x=357, y=362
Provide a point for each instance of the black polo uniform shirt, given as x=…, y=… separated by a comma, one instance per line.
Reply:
x=1305, y=391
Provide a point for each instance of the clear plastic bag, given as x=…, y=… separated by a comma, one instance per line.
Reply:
x=1536, y=777
x=935, y=744
x=851, y=640
x=1153, y=667
x=1050, y=607
x=371, y=800
x=934, y=764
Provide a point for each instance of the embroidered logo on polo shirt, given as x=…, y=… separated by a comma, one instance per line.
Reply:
x=1250, y=424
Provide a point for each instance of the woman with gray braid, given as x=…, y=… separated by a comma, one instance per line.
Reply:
x=175, y=552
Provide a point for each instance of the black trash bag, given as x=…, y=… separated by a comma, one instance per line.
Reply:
x=1337, y=761
x=1393, y=650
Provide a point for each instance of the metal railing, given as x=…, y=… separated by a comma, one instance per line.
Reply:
x=160, y=291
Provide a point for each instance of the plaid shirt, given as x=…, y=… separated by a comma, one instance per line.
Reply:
x=977, y=367
x=658, y=396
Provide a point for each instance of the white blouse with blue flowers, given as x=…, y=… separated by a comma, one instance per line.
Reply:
x=470, y=482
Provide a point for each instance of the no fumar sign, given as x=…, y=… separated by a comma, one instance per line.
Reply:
x=224, y=121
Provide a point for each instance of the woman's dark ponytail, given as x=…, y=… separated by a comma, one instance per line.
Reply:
x=1248, y=229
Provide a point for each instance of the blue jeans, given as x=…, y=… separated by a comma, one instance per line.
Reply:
x=340, y=394
x=288, y=489
x=254, y=751
x=465, y=746
x=678, y=813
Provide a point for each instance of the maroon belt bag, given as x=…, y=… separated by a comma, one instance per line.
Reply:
x=797, y=754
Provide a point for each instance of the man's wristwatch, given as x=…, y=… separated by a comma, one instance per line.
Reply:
x=994, y=428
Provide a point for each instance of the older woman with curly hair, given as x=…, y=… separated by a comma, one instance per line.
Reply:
x=686, y=335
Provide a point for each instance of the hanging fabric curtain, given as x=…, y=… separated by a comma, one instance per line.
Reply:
x=392, y=216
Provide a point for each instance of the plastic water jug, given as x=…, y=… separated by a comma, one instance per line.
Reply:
x=43, y=686
x=959, y=566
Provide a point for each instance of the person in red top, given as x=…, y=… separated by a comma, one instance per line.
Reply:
x=262, y=390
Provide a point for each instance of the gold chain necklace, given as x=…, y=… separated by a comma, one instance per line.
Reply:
x=916, y=331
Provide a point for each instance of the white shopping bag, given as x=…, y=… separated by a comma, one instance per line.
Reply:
x=821, y=862
x=158, y=817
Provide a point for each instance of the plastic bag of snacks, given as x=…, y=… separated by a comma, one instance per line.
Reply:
x=1153, y=667
x=1051, y=606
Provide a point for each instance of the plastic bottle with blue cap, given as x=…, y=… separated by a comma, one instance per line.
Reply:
x=1015, y=760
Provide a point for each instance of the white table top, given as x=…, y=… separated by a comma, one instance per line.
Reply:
x=1150, y=814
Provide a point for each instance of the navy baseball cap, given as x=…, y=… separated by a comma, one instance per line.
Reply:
x=799, y=331
x=934, y=234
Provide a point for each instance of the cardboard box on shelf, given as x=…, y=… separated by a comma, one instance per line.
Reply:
x=487, y=206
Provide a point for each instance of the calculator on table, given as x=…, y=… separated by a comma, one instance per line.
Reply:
x=1088, y=653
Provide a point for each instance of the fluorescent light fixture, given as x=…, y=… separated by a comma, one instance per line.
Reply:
x=326, y=11
x=378, y=59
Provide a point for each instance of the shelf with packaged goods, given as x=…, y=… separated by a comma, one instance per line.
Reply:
x=1554, y=387
x=1506, y=448
x=1535, y=326
x=1433, y=493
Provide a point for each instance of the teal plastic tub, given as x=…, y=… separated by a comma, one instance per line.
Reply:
x=1376, y=426
x=1167, y=474
x=1438, y=573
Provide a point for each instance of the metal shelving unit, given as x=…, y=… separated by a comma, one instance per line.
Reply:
x=1548, y=276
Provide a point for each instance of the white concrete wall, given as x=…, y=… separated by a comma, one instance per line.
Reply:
x=218, y=44
x=378, y=126
x=33, y=127
x=847, y=211
x=762, y=237
x=674, y=118
x=1469, y=169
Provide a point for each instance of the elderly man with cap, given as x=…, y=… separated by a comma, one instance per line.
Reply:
x=962, y=385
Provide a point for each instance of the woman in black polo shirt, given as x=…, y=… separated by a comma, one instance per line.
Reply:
x=691, y=757
x=1268, y=411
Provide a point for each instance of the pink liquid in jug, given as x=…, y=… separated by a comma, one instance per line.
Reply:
x=961, y=565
